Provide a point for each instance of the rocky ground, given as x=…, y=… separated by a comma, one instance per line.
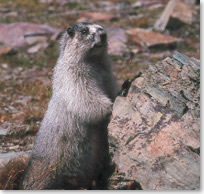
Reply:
x=29, y=33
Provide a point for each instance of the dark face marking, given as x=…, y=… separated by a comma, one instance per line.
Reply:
x=84, y=31
x=99, y=29
x=86, y=24
x=81, y=27
x=70, y=32
x=103, y=37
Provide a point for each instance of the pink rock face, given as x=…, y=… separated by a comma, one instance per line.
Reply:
x=183, y=12
x=19, y=35
x=148, y=38
x=155, y=130
x=175, y=14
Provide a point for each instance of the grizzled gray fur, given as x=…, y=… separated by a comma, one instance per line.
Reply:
x=71, y=148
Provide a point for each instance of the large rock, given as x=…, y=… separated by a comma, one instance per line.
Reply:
x=175, y=14
x=154, y=132
x=21, y=34
x=147, y=38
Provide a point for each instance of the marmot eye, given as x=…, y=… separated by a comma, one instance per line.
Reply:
x=85, y=31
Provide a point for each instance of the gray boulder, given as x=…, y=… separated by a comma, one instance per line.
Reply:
x=154, y=133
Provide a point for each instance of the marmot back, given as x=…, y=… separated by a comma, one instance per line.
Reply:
x=71, y=149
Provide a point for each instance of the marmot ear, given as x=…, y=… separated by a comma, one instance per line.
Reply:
x=70, y=32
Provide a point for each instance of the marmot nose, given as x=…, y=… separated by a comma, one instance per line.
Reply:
x=103, y=37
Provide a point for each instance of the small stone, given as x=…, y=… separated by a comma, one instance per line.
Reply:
x=135, y=50
x=14, y=147
x=5, y=50
x=24, y=100
x=6, y=109
x=20, y=69
x=33, y=39
x=137, y=4
x=105, y=4
x=12, y=14
x=4, y=132
x=45, y=1
x=37, y=47
x=6, y=157
x=30, y=146
x=156, y=6
x=94, y=16
x=11, y=107
x=5, y=66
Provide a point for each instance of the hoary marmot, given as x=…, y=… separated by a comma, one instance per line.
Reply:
x=71, y=148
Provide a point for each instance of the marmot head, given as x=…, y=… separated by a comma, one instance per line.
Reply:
x=84, y=39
